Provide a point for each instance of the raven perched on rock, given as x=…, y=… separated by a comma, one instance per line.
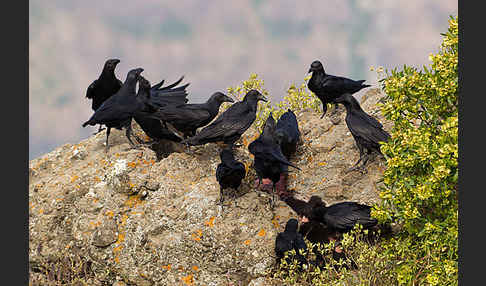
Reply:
x=229, y=172
x=118, y=110
x=189, y=117
x=340, y=217
x=269, y=162
x=329, y=87
x=288, y=240
x=152, y=127
x=287, y=133
x=105, y=86
x=231, y=124
x=366, y=130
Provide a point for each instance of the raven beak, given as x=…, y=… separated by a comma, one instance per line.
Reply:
x=229, y=99
x=262, y=97
x=116, y=61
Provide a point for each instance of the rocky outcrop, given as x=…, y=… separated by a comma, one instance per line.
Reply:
x=137, y=217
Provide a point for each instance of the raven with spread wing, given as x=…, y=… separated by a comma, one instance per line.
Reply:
x=117, y=111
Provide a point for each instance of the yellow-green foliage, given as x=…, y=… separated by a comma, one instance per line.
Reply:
x=297, y=99
x=373, y=267
x=422, y=171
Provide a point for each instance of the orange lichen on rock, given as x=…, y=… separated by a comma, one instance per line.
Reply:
x=188, y=280
x=261, y=232
x=210, y=223
x=197, y=235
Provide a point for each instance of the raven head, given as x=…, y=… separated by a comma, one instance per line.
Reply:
x=316, y=66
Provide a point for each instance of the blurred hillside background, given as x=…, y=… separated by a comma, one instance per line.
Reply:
x=215, y=44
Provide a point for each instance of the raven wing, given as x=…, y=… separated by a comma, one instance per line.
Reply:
x=91, y=88
x=344, y=216
x=189, y=114
x=233, y=121
x=338, y=85
x=360, y=127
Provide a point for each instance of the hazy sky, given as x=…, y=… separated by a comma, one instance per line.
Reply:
x=215, y=44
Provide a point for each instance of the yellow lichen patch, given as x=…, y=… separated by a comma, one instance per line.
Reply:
x=210, y=223
x=323, y=180
x=197, y=235
x=247, y=242
x=97, y=179
x=188, y=280
x=245, y=142
x=131, y=185
x=110, y=214
x=167, y=267
x=247, y=166
x=41, y=211
x=124, y=220
x=275, y=221
x=195, y=268
x=118, y=248
x=117, y=259
x=309, y=159
x=261, y=232
x=322, y=163
x=131, y=164
x=95, y=224
x=74, y=178
x=133, y=201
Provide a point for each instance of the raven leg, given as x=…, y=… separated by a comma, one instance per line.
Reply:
x=272, y=202
x=221, y=198
x=361, y=153
x=362, y=168
x=107, y=135
x=234, y=196
x=336, y=106
x=324, y=109
x=129, y=133
x=101, y=128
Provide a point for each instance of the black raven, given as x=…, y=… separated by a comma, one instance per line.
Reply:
x=152, y=127
x=231, y=124
x=287, y=133
x=340, y=217
x=288, y=240
x=316, y=232
x=229, y=172
x=366, y=130
x=269, y=162
x=187, y=118
x=118, y=110
x=329, y=87
x=105, y=86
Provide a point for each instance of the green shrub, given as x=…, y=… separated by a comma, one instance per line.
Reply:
x=374, y=267
x=421, y=177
